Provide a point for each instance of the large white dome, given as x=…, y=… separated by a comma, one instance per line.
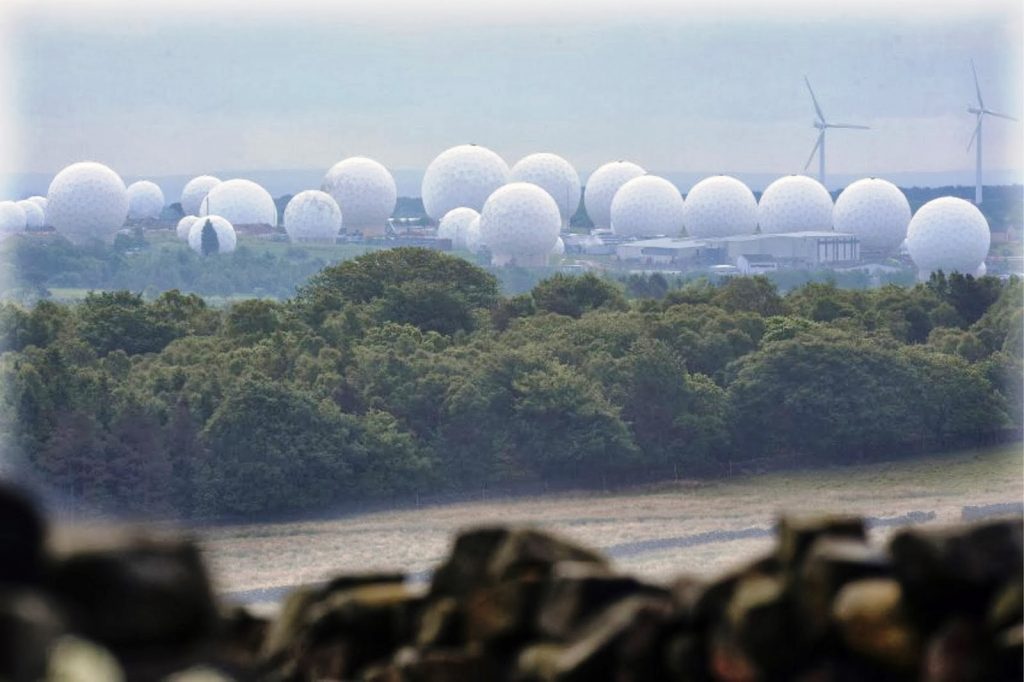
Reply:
x=554, y=175
x=145, y=200
x=240, y=202
x=520, y=223
x=474, y=239
x=455, y=226
x=185, y=226
x=602, y=186
x=312, y=216
x=195, y=191
x=948, y=234
x=795, y=203
x=719, y=206
x=34, y=215
x=86, y=201
x=227, y=240
x=647, y=206
x=876, y=211
x=12, y=218
x=465, y=175
x=365, y=192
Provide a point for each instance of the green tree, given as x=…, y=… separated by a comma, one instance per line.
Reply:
x=270, y=447
x=210, y=244
x=574, y=295
x=750, y=294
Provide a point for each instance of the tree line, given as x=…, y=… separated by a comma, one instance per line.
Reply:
x=405, y=371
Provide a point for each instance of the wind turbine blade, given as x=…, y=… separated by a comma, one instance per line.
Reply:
x=975, y=135
x=848, y=125
x=817, y=107
x=992, y=113
x=977, y=88
x=817, y=144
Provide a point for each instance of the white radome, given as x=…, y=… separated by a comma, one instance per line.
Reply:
x=184, y=226
x=195, y=191
x=41, y=203
x=719, y=206
x=602, y=186
x=795, y=203
x=948, y=234
x=312, y=216
x=227, y=240
x=87, y=201
x=554, y=175
x=474, y=240
x=982, y=270
x=240, y=202
x=365, y=191
x=559, y=249
x=145, y=200
x=455, y=226
x=465, y=175
x=647, y=206
x=520, y=224
x=12, y=218
x=876, y=211
x=34, y=215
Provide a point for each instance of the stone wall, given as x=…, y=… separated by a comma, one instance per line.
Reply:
x=522, y=605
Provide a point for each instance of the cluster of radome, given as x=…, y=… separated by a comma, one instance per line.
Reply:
x=517, y=214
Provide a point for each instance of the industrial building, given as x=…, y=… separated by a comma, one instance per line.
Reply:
x=786, y=250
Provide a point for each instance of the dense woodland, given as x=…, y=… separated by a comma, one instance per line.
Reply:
x=406, y=372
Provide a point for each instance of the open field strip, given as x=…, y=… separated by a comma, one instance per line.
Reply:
x=698, y=528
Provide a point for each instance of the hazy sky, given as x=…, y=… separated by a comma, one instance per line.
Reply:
x=187, y=87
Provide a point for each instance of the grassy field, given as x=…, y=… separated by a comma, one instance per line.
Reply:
x=678, y=528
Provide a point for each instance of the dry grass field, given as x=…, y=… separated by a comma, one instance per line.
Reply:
x=697, y=528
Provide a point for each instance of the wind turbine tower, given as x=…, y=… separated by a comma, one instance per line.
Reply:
x=980, y=112
x=822, y=125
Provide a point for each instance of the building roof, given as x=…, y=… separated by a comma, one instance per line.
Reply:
x=758, y=258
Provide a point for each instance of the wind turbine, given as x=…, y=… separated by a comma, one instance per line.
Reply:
x=980, y=112
x=823, y=125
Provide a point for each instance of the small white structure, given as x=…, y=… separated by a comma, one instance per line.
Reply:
x=520, y=224
x=34, y=215
x=455, y=227
x=195, y=191
x=559, y=249
x=312, y=216
x=465, y=175
x=647, y=206
x=145, y=200
x=756, y=264
x=876, y=211
x=795, y=203
x=719, y=206
x=226, y=238
x=948, y=234
x=554, y=175
x=185, y=226
x=366, y=193
x=240, y=202
x=87, y=201
x=12, y=218
x=602, y=186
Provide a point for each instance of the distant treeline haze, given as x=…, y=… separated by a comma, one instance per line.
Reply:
x=404, y=371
